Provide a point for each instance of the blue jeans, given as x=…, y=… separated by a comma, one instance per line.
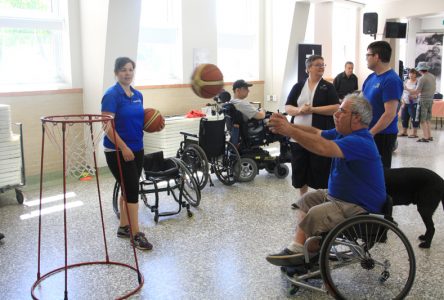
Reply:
x=408, y=113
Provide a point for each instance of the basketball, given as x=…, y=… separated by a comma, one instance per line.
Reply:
x=153, y=120
x=207, y=81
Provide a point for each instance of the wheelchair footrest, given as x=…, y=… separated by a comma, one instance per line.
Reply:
x=300, y=270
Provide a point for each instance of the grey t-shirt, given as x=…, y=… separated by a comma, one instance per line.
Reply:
x=426, y=87
x=247, y=109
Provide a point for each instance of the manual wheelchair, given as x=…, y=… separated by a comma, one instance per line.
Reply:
x=210, y=152
x=159, y=175
x=249, y=137
x=364, y=257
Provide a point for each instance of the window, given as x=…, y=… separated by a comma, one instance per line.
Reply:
x=33, y=45
x=238, y=39
x=159, y=53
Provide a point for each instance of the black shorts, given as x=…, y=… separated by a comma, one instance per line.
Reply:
x=130, y=170
x=308, y=168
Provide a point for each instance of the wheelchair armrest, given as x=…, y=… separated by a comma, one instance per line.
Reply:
x=186, y=134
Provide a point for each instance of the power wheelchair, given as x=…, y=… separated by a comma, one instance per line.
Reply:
x=364, y=257
x=159, y=175
x=249, y=137
x=210, y=152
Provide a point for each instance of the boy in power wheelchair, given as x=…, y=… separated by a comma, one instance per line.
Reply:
x=356, y=186
x=246, y=125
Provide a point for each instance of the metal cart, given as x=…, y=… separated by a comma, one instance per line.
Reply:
x=22, y=181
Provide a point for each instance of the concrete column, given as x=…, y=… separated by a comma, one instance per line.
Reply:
x=297, y=35
x=324, y=34
x=199, y=32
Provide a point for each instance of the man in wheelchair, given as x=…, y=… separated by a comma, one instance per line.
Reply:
x=356, y=181
x=247, y=121
x=248, y=110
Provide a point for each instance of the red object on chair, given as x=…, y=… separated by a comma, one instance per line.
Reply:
x=195, y=114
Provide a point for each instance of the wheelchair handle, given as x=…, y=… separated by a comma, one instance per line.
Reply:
x=189, y=134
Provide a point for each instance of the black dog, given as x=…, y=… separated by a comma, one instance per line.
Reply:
x=418, y=186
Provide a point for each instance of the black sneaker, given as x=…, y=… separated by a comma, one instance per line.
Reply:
x=1, y=236
x=141, y=242
x=286, y=258
x=123, y=232
x=294, y=206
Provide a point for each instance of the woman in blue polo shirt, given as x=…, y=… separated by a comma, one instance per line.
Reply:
x=126, y=105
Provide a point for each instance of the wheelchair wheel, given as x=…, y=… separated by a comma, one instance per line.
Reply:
x=225, y=165
x=116, y=195
x=196, y=161
x=191, y=191
x=281, y=171
x=367, y=257
x=247, y=169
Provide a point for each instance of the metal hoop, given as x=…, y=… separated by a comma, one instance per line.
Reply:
x=68, y=121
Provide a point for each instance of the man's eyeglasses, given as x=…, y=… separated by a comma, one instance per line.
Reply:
x=320, y=65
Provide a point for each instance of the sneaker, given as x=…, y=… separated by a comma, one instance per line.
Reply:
x=1, y=236
x=123, y=232
x=286, y=258
x=141, y=242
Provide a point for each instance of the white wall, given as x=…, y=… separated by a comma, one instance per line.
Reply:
x=297, y=36
x=199, y=32
x=278, y=37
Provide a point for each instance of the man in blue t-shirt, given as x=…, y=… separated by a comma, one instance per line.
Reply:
x=383, y=89
x=356, y=183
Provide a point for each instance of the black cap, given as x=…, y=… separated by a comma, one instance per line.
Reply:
x=240, y=84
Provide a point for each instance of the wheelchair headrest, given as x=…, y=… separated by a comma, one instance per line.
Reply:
x=156, y=166
x=224, y=97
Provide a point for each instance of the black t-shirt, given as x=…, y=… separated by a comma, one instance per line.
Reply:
x=345, y=85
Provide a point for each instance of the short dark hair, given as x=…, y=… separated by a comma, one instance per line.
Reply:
x=349, y=63
x=311, y=59
x=413, y=71
x=383, y=49
x=121, y=62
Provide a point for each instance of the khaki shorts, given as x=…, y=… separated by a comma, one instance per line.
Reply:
x=324, y=212
x=425, y=111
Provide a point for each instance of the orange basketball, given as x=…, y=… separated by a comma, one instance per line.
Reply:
x=153, y=120
x=207, y=81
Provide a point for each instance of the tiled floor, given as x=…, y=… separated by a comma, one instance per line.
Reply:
x=217, y=254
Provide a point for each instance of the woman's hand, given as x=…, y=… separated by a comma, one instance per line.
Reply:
x=127, y=154
x=305, y=109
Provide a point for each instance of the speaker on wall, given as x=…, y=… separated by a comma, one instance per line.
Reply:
x=370, y=25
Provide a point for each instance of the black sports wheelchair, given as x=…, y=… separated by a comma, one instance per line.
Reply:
x=249, y=137
x=210, y=152
x=365, y=257
x=170, y=176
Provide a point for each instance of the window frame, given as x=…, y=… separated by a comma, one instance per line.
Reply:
x=55, y=21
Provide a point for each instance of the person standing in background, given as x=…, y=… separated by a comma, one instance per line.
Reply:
x=383, y=89
x=346, y=82
x=311, y=102
x=425, y=90
x=409, y=104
